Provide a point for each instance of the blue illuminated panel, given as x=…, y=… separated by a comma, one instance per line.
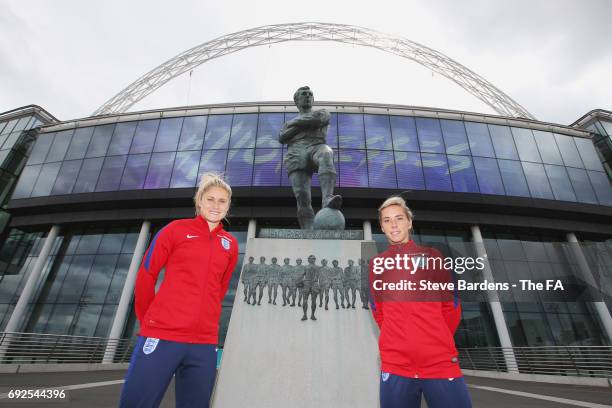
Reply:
x=144, y=138
x=489, y=179
x=353, y=168
x=217, y=132
x=455, y=138
x=267, y=171
x=158, y=174
x=503, y=143
x=192, y=133
x=409, y=170
x=268, y=129
x=378, y=132
x=381, y=169
x=403, y=130
x=244, y=130
x=462, y=174
x=350, y=131
x=513, y=178
x=430, y=136
x=239, y=171
x=185, y=169
x=435, y=169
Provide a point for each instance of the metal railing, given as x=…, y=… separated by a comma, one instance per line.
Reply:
x=37, y=348
x=577, y=361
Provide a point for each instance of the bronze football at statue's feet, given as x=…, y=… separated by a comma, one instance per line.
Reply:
x=334, y=202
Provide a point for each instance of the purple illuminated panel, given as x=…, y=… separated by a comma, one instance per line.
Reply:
x=212, y=160
x=244, y=129
x=381, y=169
x=192, y=133
x=377, y=132
x=430, y=136
x=268, y=129
x=168, y=135
x=267, y=169
x=352, y=168
x=110, y=176
x=455, y=138
x=409, y=170
x=217, y=132
x=435, y=169
x=403, y=130
x=135, y=172
x=185, y=169
x=144, y=138
x=350, y=131
x=160, y=170
x=239, y=170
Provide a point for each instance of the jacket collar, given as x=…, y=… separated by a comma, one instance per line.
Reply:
x=202, y=221
x=402, y=247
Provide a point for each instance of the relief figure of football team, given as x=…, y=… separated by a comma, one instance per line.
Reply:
x=301, y=282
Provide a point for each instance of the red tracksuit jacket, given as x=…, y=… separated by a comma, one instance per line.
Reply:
x=199, y=264
x=416, y=337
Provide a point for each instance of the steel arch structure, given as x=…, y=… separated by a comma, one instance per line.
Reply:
x=314, y=31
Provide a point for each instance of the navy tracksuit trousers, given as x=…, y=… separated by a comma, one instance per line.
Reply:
x=403, y=392
x=152, y=366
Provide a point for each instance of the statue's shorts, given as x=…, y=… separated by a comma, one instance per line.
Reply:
x=319, y=157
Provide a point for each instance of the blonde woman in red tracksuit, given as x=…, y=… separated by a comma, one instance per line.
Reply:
x=179, y=325
x=417, y=349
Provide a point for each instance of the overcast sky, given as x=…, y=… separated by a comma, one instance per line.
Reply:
x=553, y=57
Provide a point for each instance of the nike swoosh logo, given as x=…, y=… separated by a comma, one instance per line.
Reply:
x=192, y=236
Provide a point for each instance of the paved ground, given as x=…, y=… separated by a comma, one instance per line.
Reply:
x=88, y=389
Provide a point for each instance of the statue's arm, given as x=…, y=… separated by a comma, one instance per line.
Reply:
x=287, y=132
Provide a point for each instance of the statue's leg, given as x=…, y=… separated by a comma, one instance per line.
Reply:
x=300, y=180
x=305, y=305
x=313, y=307
x=342, y=297
x=327, y=177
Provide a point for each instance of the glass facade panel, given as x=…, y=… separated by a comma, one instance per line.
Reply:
x=217, y=132
x=601, y=185
x=479, y=139
x=192, y=133
x=267, y=170
x=60, y=146
x=88, y=175
x=526, y=145
x=435, y=169
x=45, y=180
x=244, y=130
x=462, y=174
x=568, y=150
x=135, y=172
x=503, y=144
x=160, y=170
x=100, y=139
x=26, y=181
x=430, y=136
x=212, y=160
x=239, y=170
x=455, y=138
x=352, y=168
x=122, y=138
x=168, y=135
x=547, y=146
x=381, y=169
x=560, y=183
x=409, y=170
x=332, y=131
x=268, y=129
x=144, y=137
x=111, y=173
x=377, y=132
x=79, y=143
x=582, y=185
x=403, y=130
x=350, y=131
x=513, y=178
x=67, y=177
x=588, y=154
x=41, y=148
x=537, y=181
x=185, y=169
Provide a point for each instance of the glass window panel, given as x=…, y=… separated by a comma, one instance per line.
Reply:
x=110, y=176
x=582, y=185
x=26, y=181
x=381, y=169
x=88, y=175
x=462, y=173
x=100, y=278
x=79, y=143
x=160, y=170
x=409, y=170
x=100, y=140
x=122, y=138
x=59, y=146
x=430, y=136
x=106, y=319
x=112, y=241
x=45, y=181
x=455, y=138
x=601, y=185
x=268, y=129
x=350, y=132
x=352, y=167
x=61, y=319
x=212, y=160
x=9, y=126
x=11, y=140
x=86, y=320
x=378, y=132
x=41, y=148
x=479, y=139
x=244, y=129
x=67, y=177
x=537, y=181
x=332, y=130
x=89, y=242
x=526, y=145
x=588, y=154
x=547, y=147
x=217, y=132
x=185, y=169
x=569, y=152
x=72, y=289
x=144, y=137
x=503, y=144
x=135, y=172
x=118, y=280
x=168, y=135
x=239, y=167
x=607, y=126
x=21, y=124
x=130, y=241
x=267, y=167
x=560, y=183
x=192, y=133
x=404, y=133
x=513, y=178
x=435, y=169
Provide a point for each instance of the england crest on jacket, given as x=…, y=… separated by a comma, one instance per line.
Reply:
x=225, y=242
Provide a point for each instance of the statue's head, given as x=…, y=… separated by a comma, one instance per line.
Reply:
x=351, y=262
x=323, y=261
x=335, y=263
x=298, y=261
x=251, y=259
x=286, y=261
x=303, y=98
x=262, y=259
x=274, y=260
x=312, y=259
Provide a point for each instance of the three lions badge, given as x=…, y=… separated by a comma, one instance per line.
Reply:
x=150, y=345
x=226, y=243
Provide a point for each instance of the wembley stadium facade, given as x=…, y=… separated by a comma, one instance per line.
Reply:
x=82, y=198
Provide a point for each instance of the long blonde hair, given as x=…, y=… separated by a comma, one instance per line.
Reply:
x=209, y=180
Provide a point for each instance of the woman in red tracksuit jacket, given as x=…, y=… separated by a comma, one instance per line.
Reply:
x=417, y=348
x=179, y=324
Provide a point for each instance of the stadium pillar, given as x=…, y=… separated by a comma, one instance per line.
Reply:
x=367, y=230
x=600, y=307
x=126, y=294
x=252, y=228
x=494, y=304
